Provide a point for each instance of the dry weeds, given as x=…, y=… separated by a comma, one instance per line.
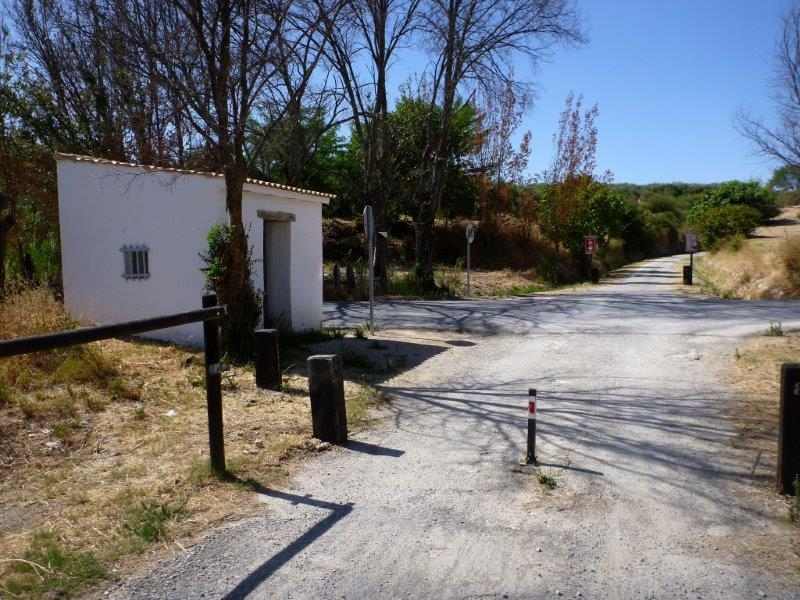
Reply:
x=108, y=455
x=759, y=268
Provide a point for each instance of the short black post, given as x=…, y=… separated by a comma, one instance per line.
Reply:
x=530, y=456
x=350, y=275
x=337, y=277
x=211, y=338
x=268, y=364
x=687, y=275
x=595, y=275
x=326, y=388
x=789, y=429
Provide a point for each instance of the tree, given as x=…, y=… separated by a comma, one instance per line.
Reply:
x=781, y=140
x=474, y=43
x=733, y=193
x=570, y=179
x=222, y=60
x=406, y=126
x=361, y=46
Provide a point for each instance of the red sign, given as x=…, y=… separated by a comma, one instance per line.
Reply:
x=531, y=408
x=590, y=244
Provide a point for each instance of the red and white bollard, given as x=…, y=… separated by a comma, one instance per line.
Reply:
x=530, y=457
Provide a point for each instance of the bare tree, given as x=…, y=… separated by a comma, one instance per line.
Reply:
x=501, y=116
x=221, y=60
x=361, y=45
x=782, y=139
x=474, y=42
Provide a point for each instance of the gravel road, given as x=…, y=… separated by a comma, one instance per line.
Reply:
x=652, y=500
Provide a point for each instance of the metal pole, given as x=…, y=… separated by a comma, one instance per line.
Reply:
x=216, y=440
x=530, y=456
x=468, y=266
x=369, y=232
x=372, y=283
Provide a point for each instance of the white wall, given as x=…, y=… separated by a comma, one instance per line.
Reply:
x=103, y=207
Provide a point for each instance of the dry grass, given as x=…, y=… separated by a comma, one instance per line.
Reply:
x=104, y=450
x=764, y=267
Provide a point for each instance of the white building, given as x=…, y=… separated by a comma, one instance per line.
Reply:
x=132, y=235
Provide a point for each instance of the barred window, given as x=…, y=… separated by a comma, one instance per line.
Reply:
x=137, y=262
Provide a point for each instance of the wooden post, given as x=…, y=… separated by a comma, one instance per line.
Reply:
x=687, y=275
x=789, y=429
x=268, y=364
x=211, y=338
x=326, y=388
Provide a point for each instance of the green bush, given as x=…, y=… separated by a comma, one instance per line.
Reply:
x=739, y=193
x=715, y=224
x=244, y=305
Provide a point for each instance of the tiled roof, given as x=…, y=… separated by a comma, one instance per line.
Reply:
x=261, y=182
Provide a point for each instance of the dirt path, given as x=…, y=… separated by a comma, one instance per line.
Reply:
x=652, y=498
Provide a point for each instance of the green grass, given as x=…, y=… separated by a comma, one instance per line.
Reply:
x=148, y=520
x=50, y=570
x=547, y=478
x=775, y=329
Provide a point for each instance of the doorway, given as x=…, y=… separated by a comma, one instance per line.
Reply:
x=277, y=269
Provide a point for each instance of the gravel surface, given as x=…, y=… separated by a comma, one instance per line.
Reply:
x=653, y=499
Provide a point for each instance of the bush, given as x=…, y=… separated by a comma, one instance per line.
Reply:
x=244, y=305
x=738, y=193
x=714, y=224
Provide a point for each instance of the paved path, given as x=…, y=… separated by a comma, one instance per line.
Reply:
x=654, y=499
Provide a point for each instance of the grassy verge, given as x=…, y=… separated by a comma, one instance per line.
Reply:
x=104, y=450
x=755, y=372
x=752, y=269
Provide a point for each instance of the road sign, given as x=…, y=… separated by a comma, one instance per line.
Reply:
x=691, y=242
x=369, y=222
x=590, y=244
x=470, y=233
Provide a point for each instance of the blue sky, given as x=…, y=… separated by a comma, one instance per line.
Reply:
x=669, y=77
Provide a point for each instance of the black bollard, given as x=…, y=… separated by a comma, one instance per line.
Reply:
x=268, y=363
x=326, y=388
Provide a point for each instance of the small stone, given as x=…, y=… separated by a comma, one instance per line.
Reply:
x=538, y=549
x=171, y=413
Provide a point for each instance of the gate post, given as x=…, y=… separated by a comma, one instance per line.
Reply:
x=789, y=429
x=211, y=340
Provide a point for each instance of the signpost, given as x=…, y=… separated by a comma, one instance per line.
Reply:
x=470, y=238
x=369, y=232
x=590, y=247
x=590, y=244
x=691, y=246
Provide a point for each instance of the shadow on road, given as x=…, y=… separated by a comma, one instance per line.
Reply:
x=337, y=512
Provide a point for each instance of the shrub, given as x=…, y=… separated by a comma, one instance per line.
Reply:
x=244, y=305
x=738, y=193
x=714, y=224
